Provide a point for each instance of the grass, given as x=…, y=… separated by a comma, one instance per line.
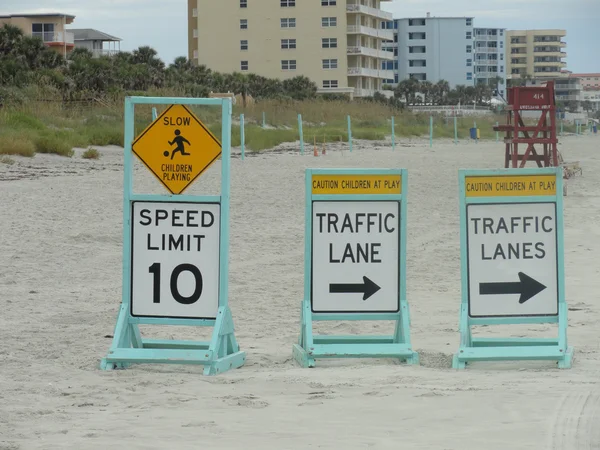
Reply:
x=91, y=153
x=14, y=144
x=52, y=127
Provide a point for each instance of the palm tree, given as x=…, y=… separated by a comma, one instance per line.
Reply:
x=426, y=88
x=407, y=88
x=442, y=88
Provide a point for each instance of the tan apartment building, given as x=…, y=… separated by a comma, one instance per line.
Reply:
x=335, y=43
x=538, y=53
x=50, y=28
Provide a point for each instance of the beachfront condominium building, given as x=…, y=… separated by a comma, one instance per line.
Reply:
x=539, y=54
x=335, y=43
x=50, y=28
x=589, y=81
x=432, y=49
x=489, y=65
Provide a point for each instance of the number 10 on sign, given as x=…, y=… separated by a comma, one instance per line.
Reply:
x=175, y=260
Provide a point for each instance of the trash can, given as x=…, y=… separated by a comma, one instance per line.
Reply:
x=474, y=133
x=595, y=128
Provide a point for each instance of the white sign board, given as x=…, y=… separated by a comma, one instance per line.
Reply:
x=175, y=260
x=512, y=259
x=355, y=256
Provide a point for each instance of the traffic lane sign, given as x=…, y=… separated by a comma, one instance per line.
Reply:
x=512, y=259
x=355, y=261
x=177, y=148
x=175, y=253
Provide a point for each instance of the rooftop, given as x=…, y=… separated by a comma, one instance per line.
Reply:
x=33, y=15
x=89, y=34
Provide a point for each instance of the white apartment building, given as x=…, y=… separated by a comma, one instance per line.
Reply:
x=335, y=43
x=432, y=49
x=489, y=65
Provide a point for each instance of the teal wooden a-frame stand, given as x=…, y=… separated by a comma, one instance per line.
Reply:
x=393, y=304
x=222, y=352
x=507, y=188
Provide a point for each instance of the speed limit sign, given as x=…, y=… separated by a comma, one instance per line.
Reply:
x=175, y=260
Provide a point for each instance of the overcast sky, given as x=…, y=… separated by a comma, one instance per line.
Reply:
x=162, y=24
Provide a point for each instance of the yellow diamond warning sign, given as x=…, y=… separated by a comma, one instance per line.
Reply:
x=177, y=148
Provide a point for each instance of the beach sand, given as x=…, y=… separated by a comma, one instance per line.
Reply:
x=60, y=288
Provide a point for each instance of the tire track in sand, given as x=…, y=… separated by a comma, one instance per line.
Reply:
x=576, y=424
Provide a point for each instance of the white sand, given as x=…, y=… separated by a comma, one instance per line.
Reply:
x=60, y=280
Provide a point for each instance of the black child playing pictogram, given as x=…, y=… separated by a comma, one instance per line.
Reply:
x=179, y=140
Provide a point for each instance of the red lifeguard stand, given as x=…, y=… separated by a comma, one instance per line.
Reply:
x=531, y=98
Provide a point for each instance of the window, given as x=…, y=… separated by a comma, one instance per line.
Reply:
x=195, y=12
x=469, y=49
x=501, y=56
x=288, y=43
x=195, y=32
x=288, y=23
x=195, y=54
x=288, y=64
x=469, y=76
x=328, y=2
x=501, y=68
x=418, y=49
x=416, y=22
x=330, y=84
x=44, y=31
x=469, y=22
x=244, y=65
x=469, y=63
x=329, y=42
x=287, y=3
x=469, y=35
x=329, y=21
x=243, y=3
x=417, y=63
x=330, y=64
x=417, y=36
x=243, y=24
x=244, y=45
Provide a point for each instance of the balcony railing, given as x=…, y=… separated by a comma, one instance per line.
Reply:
x=366, y=51
x=52, y=37
x=372, y=73
x=373, y=32
x=362, y=9
x=102, y=52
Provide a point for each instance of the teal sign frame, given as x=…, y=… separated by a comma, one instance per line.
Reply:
x=222, y=352
x=311, y=347
x=474, y=349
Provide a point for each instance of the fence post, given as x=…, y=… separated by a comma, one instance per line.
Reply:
x=430, y=131
x=242, y=137
x=349, y=132
x=154, y=114
x=455, y=130
x=264, y=120
x=562, y=125
x=497, y=134
x=393, y=134
x=301, y=133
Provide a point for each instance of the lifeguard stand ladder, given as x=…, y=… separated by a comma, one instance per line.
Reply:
x=531, y=98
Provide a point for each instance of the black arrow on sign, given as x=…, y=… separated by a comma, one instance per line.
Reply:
x=367, y=288
x=526, y=287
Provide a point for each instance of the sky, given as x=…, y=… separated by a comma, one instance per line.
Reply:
x=162, y=24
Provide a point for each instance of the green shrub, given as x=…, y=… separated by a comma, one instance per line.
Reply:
x=91, y=153
x=51, y=142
